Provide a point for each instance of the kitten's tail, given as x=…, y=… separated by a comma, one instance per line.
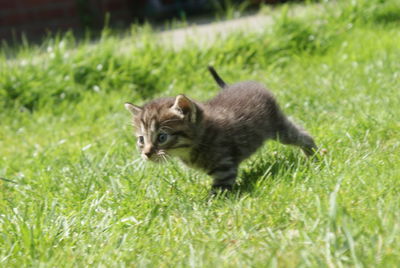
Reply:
x=217, y=78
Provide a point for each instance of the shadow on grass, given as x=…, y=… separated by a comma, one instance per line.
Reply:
x=271, y=167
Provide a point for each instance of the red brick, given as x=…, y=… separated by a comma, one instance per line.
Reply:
x=46, y=3
x=13, y=19
x=37, y=2
x=71, y=11
x=8, y=4
x=112, y=5
x=115, y=6
x=43, y=15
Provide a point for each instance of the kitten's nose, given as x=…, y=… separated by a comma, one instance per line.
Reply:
x=148, y=151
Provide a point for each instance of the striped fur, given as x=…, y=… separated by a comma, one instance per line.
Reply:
x=217, y=135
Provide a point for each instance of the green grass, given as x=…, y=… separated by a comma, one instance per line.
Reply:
x=74, y=193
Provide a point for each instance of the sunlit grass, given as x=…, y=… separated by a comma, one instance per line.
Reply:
x=74, y=192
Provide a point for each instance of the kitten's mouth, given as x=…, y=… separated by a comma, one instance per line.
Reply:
x=157, y=158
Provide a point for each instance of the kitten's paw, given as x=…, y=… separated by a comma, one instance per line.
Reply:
x=323, y=152
x=319, y=154
x=221, y=190
x=310, y=151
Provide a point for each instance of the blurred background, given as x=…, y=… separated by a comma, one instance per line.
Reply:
x=34, y=19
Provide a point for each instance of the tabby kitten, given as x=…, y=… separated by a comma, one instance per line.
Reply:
x=217, y=135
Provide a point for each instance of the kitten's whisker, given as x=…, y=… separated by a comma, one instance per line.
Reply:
x=141, y=164
x=131, y=123
x=163, y=128
x=171, y=120
x=132, y=163
x=162, y=155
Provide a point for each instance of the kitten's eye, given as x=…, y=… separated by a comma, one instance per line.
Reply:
x=162, y=137
x=141, y=139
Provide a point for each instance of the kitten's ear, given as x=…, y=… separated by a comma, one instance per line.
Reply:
x=133, y=109
x=184, y=108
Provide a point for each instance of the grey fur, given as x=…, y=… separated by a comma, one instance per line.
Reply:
x=216, y=136
x=217, y=78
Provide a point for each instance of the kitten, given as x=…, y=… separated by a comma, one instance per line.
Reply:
x=217, y=135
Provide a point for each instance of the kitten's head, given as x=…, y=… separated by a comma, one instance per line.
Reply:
x=165, y=127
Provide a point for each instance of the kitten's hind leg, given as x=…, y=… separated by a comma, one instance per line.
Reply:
x=289, y=133
x=224, y=175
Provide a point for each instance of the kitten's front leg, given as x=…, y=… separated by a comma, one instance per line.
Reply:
x=224, y=175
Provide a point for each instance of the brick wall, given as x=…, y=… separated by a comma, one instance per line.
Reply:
x=35, y=18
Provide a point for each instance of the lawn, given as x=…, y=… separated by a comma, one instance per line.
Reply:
x=74, y=192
